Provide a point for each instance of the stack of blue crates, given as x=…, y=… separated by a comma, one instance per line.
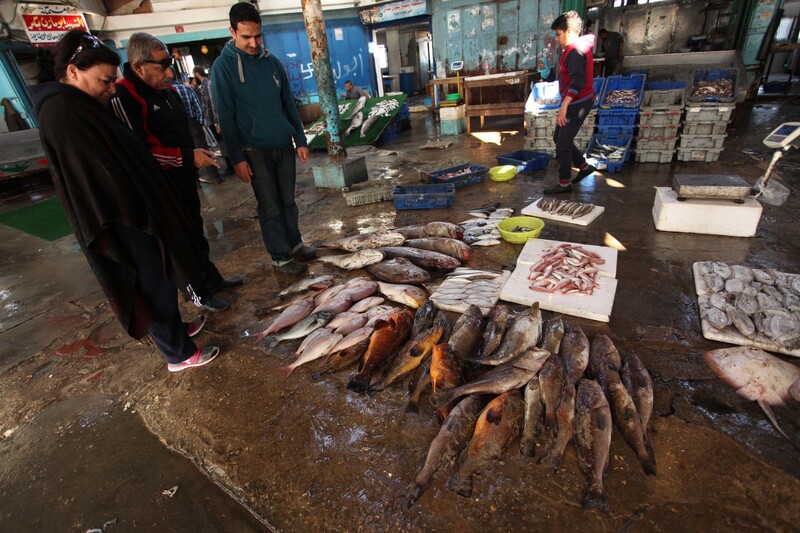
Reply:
x=618, y=120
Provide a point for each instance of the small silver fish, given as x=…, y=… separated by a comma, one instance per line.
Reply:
x=488, y=242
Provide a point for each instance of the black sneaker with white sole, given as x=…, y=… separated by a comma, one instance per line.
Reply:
x=291, y=267
x=588, y=171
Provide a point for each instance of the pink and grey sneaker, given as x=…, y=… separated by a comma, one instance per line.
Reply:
x=201, y=357
x=195, y=326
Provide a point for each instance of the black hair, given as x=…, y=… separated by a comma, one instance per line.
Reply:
x=92, y=53
x=199, y=70
x=602, y=31
x=348, y=81
x=243, y=12
x=568, y=21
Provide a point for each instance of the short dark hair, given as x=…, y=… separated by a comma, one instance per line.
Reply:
x=568, y=21
x=243, y=12
x=602, y=31
x=348, y=81
x=199, y=71
x=92, y=52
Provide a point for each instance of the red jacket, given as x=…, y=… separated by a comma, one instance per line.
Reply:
x=576, y=70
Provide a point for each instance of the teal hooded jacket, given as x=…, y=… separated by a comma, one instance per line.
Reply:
x=254, y=102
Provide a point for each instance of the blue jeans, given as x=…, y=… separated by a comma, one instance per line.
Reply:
x=273, y=184
x=564, y=136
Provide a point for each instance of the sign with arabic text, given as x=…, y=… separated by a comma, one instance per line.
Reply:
x=393, y=11
x=47, y=24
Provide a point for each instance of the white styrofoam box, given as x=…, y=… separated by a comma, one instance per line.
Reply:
x=659, y=132
x=705, y=128
x=706, y=142
x=660, y=118
x=654, y=156
x=452, y=113
x=708, y=217
x=717, y=114
x=598, y=306
x=648, y=144
x=453, y=127
x=704, y=155
x=585, y=220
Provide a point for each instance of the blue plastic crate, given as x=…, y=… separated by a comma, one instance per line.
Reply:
x=713, y=75
x=424, y=196
x=546, y=90
x=599, y=84
x=617, y=117
x=476, y=175
x=525, y=160
x=633, y=71
x=616, y=132
x=620, y=83
x=604, y=164
x=404, y=112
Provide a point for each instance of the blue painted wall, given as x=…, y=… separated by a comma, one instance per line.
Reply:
x=508, y=34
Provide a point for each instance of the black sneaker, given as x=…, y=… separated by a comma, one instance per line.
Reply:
x=304, y=253
x=558, y=189
x=212, y=303
x=583, y=173
x=229, y=283
x=291, y=267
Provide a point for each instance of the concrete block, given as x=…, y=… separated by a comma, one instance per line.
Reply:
x=709, y=217
x=341, y=174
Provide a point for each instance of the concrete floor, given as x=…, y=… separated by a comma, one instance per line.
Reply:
x=305, y=454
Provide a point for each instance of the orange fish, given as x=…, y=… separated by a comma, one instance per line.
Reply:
x=390, y=333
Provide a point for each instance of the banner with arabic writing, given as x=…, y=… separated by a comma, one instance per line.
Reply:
x=47, y=24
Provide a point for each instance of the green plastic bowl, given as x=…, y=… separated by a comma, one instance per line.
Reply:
x=505, y=227
x=502, y=173
x=453, y=96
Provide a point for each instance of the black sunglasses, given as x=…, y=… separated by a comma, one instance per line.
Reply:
x=165, y=63
x=90, y=41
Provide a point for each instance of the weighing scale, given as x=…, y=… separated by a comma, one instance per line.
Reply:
x=457, y=67
x=782, y=138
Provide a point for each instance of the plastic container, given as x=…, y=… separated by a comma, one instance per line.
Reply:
x=476, y=175
x=618, y=83
x=654, y=156
x=649, y=144
x=452, y=97
x=541, y=133
x=598, y=85
x=525, y=160
x=540, y=145
x=617, y=117
x=369, y=192
x=709, y=113
x=520, y=237
x=658, y=132
x=425, y=170
x=698, y=154
x=715, y=74
x=453, y=127
x=705, y=128
x=710, y=142
x=502, y=173
x=605, y=164
x=546, y=91
x=424, y=196
x=660, y=118
x=542, y=119
x=664, y=96
x=452, y=112
x=616, y=132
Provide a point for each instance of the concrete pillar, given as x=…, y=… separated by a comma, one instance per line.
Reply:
x=323, y=72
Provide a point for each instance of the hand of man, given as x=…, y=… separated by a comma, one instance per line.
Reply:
x=303, y=154
x=216, y=127
x=561, y=117
x=204, y=158
x=243, y=171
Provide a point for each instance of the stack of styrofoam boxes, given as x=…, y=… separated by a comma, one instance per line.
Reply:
x=540, y=119
x=707, y=118
x=616, y=122
x=659, y=121
x=452, y=120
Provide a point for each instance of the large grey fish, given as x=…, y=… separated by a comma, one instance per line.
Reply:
x=359, y=106
x=553, y=333
x=316, y=283
x=420, y=381
x=432, y=229
x=467, y=332
x=574, y=352
x=443, y=321
x=308, y=325
x=639, y=385
x=524, y=332
x=353, y=261
x=408, y=295
x=565, y=429
x=452, y=439
x=369, y=123
x=494, y=331
x=443, y=245
x=604, y=360
x=289, y=317
x=423, y=318
x=551, y=380
x=498, y=424
x=499, y=379
x=356, y=121
x=319, y=347
x=593, y=441
x=399, y=270
x=426, y=259
x=534, y=409
x=366, y=241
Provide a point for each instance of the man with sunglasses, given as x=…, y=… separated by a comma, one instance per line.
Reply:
x=148, y=105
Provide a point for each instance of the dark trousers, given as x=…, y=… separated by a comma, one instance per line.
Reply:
x=154, y=287
x=273, y=185
x=613, y=65
x=567, y=153
x=199, y=138
x=210, y=277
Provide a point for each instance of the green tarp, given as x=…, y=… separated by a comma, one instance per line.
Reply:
x=45, y=220
x=317, y=129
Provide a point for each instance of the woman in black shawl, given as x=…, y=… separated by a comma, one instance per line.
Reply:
x=124, y=214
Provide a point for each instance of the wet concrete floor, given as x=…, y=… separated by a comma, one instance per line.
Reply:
x=306, y=454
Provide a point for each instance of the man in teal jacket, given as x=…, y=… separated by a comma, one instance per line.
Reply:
x=259, y=121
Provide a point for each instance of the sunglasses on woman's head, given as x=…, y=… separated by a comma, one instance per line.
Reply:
x=90, y=41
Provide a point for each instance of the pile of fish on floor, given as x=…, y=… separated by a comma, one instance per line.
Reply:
x=515, y=377
x=481, y=229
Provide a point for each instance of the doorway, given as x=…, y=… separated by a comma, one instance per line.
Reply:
x=404, y=58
